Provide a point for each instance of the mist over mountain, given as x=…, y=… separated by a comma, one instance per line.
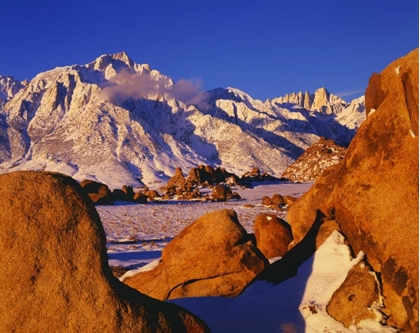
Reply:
x=120, y=122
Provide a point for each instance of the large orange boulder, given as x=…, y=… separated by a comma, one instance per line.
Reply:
x=273, y=235
x=213, y=256
x=54, y=274
x=382, y=159
x=353, y=300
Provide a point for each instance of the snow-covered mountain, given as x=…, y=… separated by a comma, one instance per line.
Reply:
x=120, y=122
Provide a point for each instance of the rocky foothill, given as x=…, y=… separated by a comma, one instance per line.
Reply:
x=312, y=163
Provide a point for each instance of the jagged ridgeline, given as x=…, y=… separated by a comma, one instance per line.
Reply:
x=120, y=122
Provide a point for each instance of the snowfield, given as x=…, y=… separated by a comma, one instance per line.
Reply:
x=136, y=235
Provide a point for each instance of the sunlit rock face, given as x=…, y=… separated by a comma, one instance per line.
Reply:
x=320, y=101
x=213, y=256
x=54, y=272
x=373, y=192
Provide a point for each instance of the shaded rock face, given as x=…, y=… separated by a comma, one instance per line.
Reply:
x=287, y=267
x=304, y=209
x=214, y=256
x=99, y=193
x=381, y=159
x=273, y=235
x=207, y=175
x=351, y=303
x=374, y=94
x=312, y=163
x=54, y=271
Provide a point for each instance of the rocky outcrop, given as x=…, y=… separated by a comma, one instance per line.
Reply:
x=205, y=175
x=140, y=197
x=99, y=193
x=321, y=101
x=214, y=256
x=222, y=192
x=54, y=270
x=255, y=175
x=177, y=181
x=381, y=159
x=181, y=188
x=312, y=163
x=178, y=187
x=273, y=235
x=355, y=299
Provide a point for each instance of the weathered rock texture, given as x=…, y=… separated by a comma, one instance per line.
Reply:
x=54, y=274
x=273, y=235
x=214, y=256
x=352, y=302
x=373, y=193
x=312, y=163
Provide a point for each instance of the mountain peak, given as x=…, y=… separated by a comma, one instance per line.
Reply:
x=112, y=63
x=322, y=91
x=322, y=101
x=123, y=57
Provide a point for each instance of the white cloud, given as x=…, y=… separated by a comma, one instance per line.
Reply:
x=144, y=85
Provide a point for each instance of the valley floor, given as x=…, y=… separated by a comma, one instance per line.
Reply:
x=136, y=235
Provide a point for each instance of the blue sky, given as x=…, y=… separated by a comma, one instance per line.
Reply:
x=265, y=48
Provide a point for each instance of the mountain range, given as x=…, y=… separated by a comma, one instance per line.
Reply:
x=119, y=122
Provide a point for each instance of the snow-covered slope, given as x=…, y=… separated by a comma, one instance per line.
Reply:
x=120, y=122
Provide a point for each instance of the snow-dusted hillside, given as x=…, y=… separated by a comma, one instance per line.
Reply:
x=120, y=122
